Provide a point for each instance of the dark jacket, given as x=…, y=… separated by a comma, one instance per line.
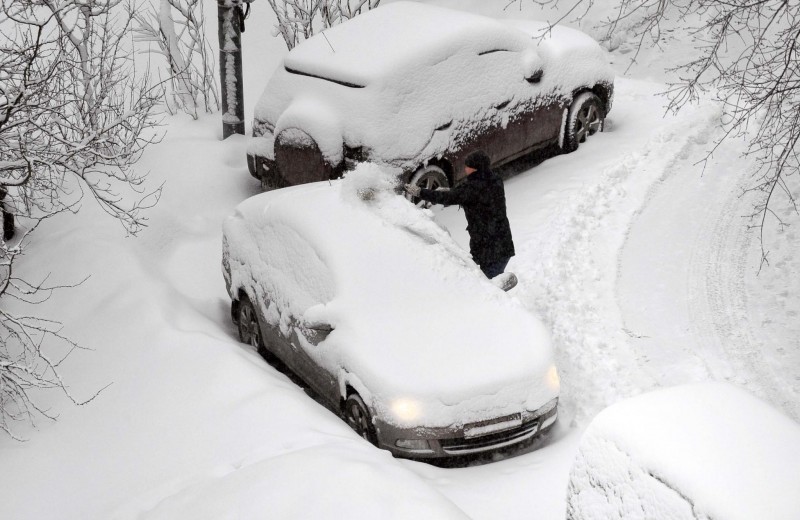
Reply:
x=484, y=201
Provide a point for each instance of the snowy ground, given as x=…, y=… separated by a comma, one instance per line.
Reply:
x=635, y=256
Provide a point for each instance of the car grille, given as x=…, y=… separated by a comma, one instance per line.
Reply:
x=462, y=445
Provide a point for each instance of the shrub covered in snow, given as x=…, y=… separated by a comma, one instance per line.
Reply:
x=705, y=451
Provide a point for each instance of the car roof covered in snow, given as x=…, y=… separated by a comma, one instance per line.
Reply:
x=395, y=36
x=405, y=301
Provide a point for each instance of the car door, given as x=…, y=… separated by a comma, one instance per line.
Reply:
x=539, y=115
x=483, y=101
x=310, y=353
x=300, y=280
x=503, y=136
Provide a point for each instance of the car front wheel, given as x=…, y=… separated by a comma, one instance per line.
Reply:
x=359, y=419
x=247, y=323
x=585, y=118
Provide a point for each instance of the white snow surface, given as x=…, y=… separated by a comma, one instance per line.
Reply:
x=632, y=250
x=403, y=299
x=687, y=452
x=384, y=43
x=420, y=69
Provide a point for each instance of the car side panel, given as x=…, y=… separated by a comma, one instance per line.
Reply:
x=322, y=381
x=535, y=126
x=293, y=354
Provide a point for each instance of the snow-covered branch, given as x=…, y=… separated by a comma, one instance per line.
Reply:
x=183, y=42
x=748, y=58
x=74, y=118
x=301, y=19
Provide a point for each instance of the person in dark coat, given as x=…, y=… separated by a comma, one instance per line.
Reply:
x=483, y=198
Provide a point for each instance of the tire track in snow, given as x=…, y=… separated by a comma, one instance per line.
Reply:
x=726, y=256
x=570, y=272
x=684, y=272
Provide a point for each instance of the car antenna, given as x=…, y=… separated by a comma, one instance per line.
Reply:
x=329, y=42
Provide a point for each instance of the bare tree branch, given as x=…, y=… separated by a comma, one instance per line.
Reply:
x=74, y=118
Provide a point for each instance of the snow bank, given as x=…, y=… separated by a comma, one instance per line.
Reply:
x=689, y=452
x=403, y=299
x=334, y=480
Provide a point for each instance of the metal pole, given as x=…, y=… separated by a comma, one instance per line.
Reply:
x=231, y=21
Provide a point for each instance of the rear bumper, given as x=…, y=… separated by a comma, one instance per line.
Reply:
x=463, y=440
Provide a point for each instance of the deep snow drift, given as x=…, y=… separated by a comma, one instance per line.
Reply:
x=621, y=250
x=687, y=452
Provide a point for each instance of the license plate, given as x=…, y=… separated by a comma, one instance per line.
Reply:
x=486, y=429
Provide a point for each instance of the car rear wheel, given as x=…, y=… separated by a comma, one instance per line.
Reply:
x=299, y=159
x=585, y=118
x=247, y=323
x=428, y=177
x=359, y=419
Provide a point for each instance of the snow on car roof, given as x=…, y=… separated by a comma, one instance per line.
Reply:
x=411, y=312
x=394, y=36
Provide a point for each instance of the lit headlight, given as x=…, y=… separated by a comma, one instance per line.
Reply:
x=552, y=379
x=406, y=410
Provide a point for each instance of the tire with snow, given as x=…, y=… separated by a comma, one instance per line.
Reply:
x=248, y=327
x=299, y=159
x=429, y=177
x=585, y=117
x=357, y=416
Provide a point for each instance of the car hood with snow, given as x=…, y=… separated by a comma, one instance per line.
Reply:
x=420, y=68
x=412, y=315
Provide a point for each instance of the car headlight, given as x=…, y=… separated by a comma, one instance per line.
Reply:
x=413, y=444
x=552, y=379
x=405, y=410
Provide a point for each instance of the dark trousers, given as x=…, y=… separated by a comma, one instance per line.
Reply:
x=8, y=225
x=8, y=217
x=495, y=268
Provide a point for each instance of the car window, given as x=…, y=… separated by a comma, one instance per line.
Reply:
x=319, y=76
x=492, y=51
x=295, y=275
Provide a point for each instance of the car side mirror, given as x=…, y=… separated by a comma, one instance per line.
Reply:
x=315, y=331
x=535, y=77
x=315, y=318
x=532, y=65
x=319, y=326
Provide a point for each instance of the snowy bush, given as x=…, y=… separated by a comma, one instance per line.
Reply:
x=74, y=118
x=300, y=19
x=187, y=51
x=692, y=452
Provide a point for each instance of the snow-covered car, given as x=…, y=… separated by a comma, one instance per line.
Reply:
x=388, y=320
x=419, y=87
